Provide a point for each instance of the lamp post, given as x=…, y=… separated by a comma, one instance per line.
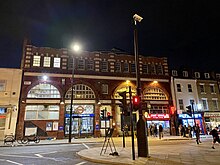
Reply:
x=141, y=124
x=75, y=48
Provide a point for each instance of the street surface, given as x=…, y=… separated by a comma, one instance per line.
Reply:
x=65, y=154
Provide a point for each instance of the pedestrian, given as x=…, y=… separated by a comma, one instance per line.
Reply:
x=183, y=131
x=180, y=130
x=126, y=130
x=215, y=136
x=160, y=131
x=190, y=131
x=197, y=132
x=151, y=130
x=155, y=130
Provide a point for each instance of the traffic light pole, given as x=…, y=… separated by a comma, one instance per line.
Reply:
x=193, y=113
x=132, y=127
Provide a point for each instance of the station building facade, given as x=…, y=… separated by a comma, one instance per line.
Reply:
x=96, y=78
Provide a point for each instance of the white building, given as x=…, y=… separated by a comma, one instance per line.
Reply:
x=10, y=82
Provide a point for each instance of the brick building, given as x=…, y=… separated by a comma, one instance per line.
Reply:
x=97, y=79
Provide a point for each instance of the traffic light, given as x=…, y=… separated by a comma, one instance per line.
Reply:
x=108, y=115
x=136, y=103
x=102, y=114
x=124, y=103
x=189, y=110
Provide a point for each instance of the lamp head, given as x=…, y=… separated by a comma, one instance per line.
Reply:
x=137, y=18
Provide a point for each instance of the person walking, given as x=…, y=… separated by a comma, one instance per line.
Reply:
x=155, y=130
x=197, y=132
x=160, y=131
x=215, y=136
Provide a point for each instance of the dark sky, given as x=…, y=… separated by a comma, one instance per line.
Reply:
x=185, y=31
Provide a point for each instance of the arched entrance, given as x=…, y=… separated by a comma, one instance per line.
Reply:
x=83, y=111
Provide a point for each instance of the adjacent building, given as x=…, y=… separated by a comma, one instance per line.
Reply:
x=10, y=81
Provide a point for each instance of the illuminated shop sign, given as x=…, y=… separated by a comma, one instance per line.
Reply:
x=183, y=116
x=157, y=116
x=212, y=114
x=79, y=115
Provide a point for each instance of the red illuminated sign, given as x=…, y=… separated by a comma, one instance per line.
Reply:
x=158, y=117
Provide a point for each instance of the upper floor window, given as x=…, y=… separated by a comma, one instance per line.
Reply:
x=174, y=73
x=43, y=91
x=207, y=75
x=217, y=75
x=153, y=69
x=46, y=62
x=126, y=67
x=104, y=66
x=133, y=68
x=145, y=69
x=56, y=62
x=189, y=88
x=215, y=104
x=90, y=65
x=205, y=104
x=202, y=88
x=181, y=106
x=197, y=75
x=178, y=88
x=212, y=88
x=80, y=64
x=2, y=85
x=159, y=69
x=104, y=88
x=36, y=61
x=118, y=66
x=185, y=74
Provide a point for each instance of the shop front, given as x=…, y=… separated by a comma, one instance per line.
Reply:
x=187, y=120
x=212, y=120
x=158, y=119
x=82, y=120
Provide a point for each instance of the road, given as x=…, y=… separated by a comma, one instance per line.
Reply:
x=65, y=154
x=42, y=155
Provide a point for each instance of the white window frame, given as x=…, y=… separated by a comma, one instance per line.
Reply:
x=215, y=103
x=56, y=62
x=185, y=74
x=104, y=66
x=181, y=105
x=212, y=87
x=205, y=106
x=190, y=88
x=174, y=73
x=178, y=88
x=203, y=87
x=126, y=67
x=197, y=75
x=80, y=64
x=207, y=76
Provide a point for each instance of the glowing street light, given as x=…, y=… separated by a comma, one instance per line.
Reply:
x=76, y=48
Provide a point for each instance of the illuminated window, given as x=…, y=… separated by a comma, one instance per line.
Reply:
x=154, y=94
x=44, y=91
x=207, y=75
x=56, y=62
x=42, y=112
x=46, y=62
x=36, y=61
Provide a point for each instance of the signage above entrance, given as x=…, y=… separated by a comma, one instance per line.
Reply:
x=211, y=114
x=157, y=116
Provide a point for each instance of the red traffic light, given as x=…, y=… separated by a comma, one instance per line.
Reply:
x=136, y=100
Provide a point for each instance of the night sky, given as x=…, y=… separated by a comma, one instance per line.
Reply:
x=185, y=31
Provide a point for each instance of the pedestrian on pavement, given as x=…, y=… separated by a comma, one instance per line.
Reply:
x=180, y=130
x=151, y=130
x=190, y=131
x=155, y=130
x=197, y=132
x=215, y=136
x=183, y=132
x=160, y=131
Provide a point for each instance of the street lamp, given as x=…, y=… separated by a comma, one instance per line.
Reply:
x=76, y=48
x=141, y=124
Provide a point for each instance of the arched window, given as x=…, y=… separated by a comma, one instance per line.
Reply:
x=123, y=89
x=43, y=90
x=81, y=91
x=155, y=94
